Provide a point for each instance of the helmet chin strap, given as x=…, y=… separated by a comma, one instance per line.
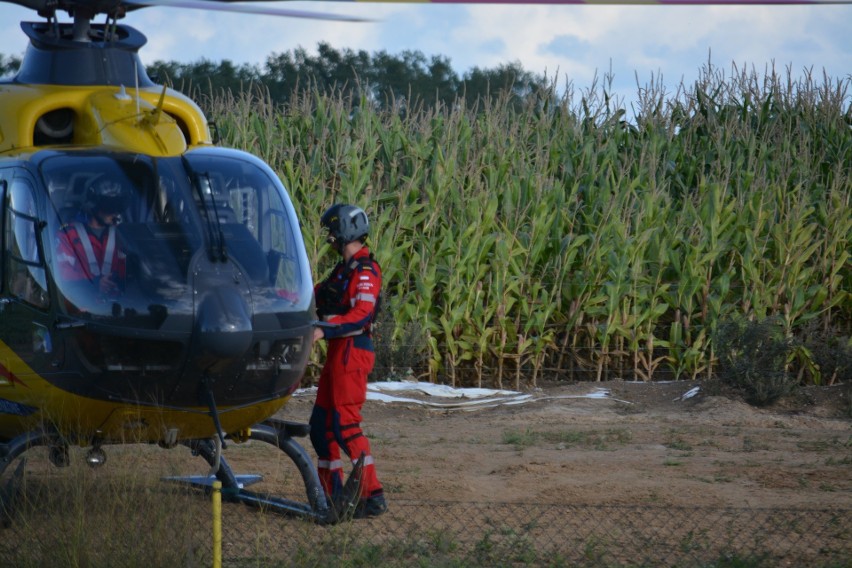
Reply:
x=336, y=244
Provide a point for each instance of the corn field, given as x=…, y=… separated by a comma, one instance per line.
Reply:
x=567, y=240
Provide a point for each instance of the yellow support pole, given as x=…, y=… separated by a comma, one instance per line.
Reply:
x=217, y=524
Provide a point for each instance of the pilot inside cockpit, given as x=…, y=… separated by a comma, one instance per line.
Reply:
x=87, y=247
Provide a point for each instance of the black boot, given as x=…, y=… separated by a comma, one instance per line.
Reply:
x=371, y=507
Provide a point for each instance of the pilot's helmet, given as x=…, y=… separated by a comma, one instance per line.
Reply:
x=106, y=195
x=345, y=223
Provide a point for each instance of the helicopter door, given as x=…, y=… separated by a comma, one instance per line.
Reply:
x=25, y=308
x=26, y=278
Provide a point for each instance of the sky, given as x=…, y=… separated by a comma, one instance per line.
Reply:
x=637, y=45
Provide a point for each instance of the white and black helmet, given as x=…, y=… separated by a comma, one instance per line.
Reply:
x=106, y=194
x=345, y=223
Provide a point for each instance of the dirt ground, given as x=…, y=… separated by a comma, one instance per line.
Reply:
x=642, y=444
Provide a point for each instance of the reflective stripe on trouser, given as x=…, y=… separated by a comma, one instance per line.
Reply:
x=336, y=418
x=325, y=428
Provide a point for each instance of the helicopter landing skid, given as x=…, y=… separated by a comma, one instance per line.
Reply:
x=9, y=451
x=206, y=481
x=278, y=433
x=10, y=494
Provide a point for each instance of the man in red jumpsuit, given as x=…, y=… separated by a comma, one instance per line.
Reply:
x=346, y=301
x=87, y=249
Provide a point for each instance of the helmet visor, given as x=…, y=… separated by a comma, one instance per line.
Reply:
x=111, y=205
x=109, y=196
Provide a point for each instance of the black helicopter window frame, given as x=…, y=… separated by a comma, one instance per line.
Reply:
x=4, y=289
x=37, y=293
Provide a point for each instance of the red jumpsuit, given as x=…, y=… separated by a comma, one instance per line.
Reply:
x=81, y=261
x=336, y=417
x=91, y=259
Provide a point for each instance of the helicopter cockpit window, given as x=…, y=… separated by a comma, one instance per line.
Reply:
x=128, y=229
x=123, y=238
x=258, y=223
x=26, y=278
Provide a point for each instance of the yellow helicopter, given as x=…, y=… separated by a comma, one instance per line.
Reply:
x=153, y=287
x=187, y=319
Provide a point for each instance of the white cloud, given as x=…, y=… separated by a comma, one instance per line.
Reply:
x=575, y=41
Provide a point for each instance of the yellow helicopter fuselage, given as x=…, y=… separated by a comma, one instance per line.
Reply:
x=31, y=401
x=152, y=121
x=226, y=284
x=153, y=287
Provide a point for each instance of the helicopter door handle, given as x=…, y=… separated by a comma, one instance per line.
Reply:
x=69, y=324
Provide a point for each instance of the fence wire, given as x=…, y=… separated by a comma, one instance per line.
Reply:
x=414, y=533
x=498, y=534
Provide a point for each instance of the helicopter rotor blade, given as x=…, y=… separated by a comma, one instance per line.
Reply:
x=601, y=2
x=229, y=6
x=594, y=2
x=89, y=8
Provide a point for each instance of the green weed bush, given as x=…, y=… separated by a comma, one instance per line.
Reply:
x=754, y=357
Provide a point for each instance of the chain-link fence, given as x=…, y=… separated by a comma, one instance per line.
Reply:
x=416, y=533
x=497, y=534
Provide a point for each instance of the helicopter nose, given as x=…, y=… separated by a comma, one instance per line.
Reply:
x=224, y=323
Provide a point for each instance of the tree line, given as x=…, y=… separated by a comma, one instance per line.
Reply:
x=404, y=79
x=9, y=65
x=408, y=78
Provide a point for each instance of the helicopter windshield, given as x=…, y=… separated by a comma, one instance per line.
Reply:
x=129, y=229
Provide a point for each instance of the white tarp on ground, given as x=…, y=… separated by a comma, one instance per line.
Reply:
x=446, y=397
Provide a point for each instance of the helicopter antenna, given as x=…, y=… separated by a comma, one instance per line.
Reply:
x=158, y=112
x=136, y=76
